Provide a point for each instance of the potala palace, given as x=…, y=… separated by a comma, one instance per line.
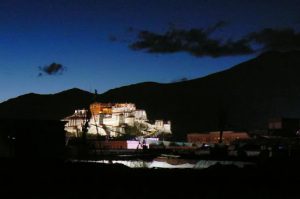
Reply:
x=113, y=120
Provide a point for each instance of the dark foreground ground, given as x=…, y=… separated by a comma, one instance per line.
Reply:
x=55, y=179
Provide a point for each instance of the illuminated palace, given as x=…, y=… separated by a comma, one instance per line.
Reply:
x=114, y=120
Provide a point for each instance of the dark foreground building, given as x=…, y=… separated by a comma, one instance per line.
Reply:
x=88, y=180
x=32, y=139
x=286, y=127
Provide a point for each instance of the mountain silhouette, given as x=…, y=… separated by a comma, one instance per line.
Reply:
x=243, y=97
x=45, y=107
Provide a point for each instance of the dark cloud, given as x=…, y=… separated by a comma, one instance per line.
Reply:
x=194, y=41
x=112, y=38
x=130, y=29
x=276, y=39
x=198, y=42
x=52, y=69
x=216, y=26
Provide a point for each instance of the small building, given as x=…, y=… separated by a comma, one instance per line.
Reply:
x=283, y=126
x=75, y=122
x=163, y=126
x=214, y=137
x=199, y=138
x=29, y=139
x=119, y=144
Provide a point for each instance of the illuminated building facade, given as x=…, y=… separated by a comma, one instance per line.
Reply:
x=115, y=120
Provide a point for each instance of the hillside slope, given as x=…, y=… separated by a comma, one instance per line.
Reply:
x=243, y=97
x=52, y=106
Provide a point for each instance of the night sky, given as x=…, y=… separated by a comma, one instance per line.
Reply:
x=47, y=46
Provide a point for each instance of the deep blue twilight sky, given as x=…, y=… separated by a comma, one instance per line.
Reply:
x=36, y=33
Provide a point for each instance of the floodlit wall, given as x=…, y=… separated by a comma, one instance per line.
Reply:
x=167, y=127
x=125, y=107
x=129, y=121
x=160, y=125
x=140, y=115
x=75, y=122
x=110, y=117
x=114, y=120
x=97, y=108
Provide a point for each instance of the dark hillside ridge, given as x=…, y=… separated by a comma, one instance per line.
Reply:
x=243, y=97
